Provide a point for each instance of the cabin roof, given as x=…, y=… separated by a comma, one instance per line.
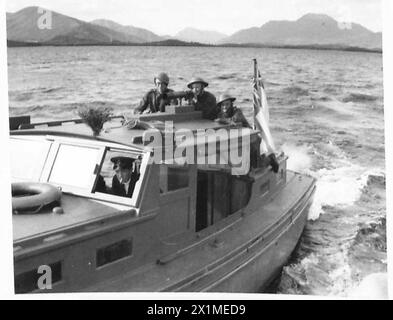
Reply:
x=115, y=132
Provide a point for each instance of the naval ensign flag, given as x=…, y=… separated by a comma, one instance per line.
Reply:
x=261, y=113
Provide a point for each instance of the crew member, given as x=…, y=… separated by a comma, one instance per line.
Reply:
x=126, y=176
x=229, y=113
x=155, y=100
x=203, y=100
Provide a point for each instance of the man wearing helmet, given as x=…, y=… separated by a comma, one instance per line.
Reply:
x=202, y=100
x=229, y=113
x=155, y=100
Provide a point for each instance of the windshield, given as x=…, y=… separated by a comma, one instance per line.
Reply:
x=28, y=157
x=74, y=166
x=93, y=171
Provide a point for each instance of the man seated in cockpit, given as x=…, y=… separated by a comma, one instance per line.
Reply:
x=126, y=176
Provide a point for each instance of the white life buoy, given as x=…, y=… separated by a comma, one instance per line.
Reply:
x=28, y=195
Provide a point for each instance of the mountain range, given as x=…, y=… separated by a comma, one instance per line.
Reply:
x=317, y=30
x=23, y=26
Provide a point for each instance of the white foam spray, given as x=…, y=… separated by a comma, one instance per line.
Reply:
x=374, y=286
x=339, y=186
x=298, y=158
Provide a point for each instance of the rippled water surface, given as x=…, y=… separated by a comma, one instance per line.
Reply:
x=326, y=113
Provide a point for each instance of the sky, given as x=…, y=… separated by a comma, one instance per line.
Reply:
x=167, y=17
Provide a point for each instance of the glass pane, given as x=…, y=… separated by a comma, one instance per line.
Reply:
x=114, y=252
x=28, y=158
x=74, y=166
x=119, y=174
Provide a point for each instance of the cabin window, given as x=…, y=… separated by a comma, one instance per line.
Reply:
x=173, y=178
x=28, y=281
x=28, y=158
x=119, y=174
x=74, y=166
x=114, y=252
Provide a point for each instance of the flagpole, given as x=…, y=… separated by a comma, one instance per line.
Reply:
x=255, y=79
x=261, y=120
x=255, y=69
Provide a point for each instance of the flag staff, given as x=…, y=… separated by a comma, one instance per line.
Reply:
x=261, y=119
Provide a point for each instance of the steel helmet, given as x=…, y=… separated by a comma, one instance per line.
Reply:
x=163, y=77
x=197, y=80
x=225, y=97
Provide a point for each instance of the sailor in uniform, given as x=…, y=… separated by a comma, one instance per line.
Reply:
x=126, y=176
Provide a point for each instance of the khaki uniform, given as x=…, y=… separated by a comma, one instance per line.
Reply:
x=206, y=102
x=153, y=102
x=236, y=115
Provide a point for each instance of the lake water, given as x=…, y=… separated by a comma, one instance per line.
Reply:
x=326, y=114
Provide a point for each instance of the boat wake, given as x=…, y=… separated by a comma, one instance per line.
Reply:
x=344, y=241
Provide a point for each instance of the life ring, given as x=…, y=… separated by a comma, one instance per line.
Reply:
x=28, y=195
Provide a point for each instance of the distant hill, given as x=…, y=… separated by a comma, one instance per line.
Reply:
x=22, y=26
x=311, y=29
x=202, y=36
x=89, y=34
x=143, y=34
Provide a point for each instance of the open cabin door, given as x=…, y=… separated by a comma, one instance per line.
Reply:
x=219, y=194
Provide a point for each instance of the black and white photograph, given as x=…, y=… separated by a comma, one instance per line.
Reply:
x=229, y=147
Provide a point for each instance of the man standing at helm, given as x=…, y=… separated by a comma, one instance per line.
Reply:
x=203, y=100
x=155, y=100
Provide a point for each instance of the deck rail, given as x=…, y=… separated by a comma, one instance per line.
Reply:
x=24, y=125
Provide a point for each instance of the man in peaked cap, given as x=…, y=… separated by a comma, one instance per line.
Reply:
x=229, y=113
x=125, y=178
x=154, y=100
x=203, y=100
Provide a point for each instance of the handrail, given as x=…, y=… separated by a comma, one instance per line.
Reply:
x=55, y=123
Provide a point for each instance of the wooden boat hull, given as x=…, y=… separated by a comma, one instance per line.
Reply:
x=253, y=269
x=245, y=256
x=259, y=271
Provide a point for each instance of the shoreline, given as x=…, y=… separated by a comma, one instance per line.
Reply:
x=18, y=44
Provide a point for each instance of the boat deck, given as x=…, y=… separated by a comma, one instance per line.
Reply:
x=77, y=211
